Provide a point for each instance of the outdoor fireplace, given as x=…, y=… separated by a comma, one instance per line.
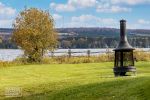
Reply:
x=124, y=60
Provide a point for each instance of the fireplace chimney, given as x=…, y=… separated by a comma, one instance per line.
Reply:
x=124, y=60
x=123, y=30
x=123, y=44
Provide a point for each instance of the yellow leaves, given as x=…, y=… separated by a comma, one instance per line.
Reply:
x=34, y=29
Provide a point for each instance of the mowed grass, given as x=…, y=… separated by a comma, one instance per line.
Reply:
x=90, y=81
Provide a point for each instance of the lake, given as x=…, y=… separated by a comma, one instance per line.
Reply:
x=11, y=54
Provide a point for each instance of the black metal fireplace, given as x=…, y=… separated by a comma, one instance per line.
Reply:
x=124, y=60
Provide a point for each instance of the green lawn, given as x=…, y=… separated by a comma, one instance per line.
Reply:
x=93, y=81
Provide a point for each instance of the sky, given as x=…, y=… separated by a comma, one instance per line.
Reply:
x=82, y=13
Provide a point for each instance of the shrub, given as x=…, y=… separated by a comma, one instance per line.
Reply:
x=141, y=55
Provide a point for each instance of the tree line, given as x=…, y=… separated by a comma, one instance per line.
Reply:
x=102, y=42
x=88, y=42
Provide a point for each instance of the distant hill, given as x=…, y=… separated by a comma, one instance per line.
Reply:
x=91, y=32
x=108, y=32
x=88, y=38
x=6, y=30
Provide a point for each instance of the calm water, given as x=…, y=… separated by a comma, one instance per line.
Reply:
x=11, y=54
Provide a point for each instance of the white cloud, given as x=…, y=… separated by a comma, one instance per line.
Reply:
x=57, y=17
x=62, y=7
x=72, y=5
x=88, y=20
x=116, y=6
x=6, y=23
x=95, y=19
x=120, y=9
x=82, y=3
x=91, y=21
x=142, y=21
x=7, y=15
x=6, y=11
x=107, y=8
x=83, y=18
x=139, y=24
x=130, y=2
x=108, y=21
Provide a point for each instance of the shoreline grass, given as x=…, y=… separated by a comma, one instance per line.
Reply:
x=84, y=81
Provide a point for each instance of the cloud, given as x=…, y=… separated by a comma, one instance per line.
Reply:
x=82, y=3
x=91, y=21
x=73, y=5
x=116, y=6
x=6, y=11
x=7, y=15
x=57, y=17
x=83, y=18
x=139, y=24
x=6, y=23
x=130, y=2
x=88, y=20
x=107, y=8
x=142, y=21
x=62, y=7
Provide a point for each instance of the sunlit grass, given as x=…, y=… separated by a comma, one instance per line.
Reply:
x=75, y=81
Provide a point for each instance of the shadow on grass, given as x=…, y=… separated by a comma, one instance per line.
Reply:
x=119, y=89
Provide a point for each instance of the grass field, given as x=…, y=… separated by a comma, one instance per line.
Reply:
x=91, y=81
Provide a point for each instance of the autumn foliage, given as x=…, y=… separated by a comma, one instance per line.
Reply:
x=34, y=33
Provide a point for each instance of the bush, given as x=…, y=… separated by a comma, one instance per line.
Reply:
x=80, y=59
x=141, y=55
x=6, y=63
